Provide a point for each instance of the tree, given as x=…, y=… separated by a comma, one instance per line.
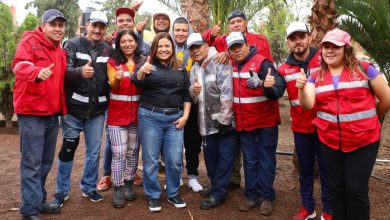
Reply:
x=368, y=22
x=7, y=51
x=29, y=23
x=69, y=8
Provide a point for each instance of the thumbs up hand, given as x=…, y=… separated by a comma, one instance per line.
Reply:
x=119, y=73
x=142, y=25
x=45, y=73
x=301, y=81
x=196, y=88
x=147, y=68
x=269, y=79
x=254, y=81
x=216, y=29
x=87, y=70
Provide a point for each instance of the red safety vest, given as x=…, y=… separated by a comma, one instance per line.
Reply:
x=252, y=108
x=301, y=119
x=346, y=116
x=124, y=101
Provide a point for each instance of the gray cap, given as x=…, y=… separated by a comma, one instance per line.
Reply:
x=235, y=38
x=51, y=14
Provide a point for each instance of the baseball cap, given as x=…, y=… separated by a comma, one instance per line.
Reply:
x=194, y=39
x=128, y=11
x=162, y=14
x=236, y=13
x=297, y=26
x=337, y=37
x=235, y=38
x=51, y=14
x=98, y=16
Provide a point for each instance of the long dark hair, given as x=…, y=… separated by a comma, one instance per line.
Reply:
x=119, y=57
x=172, y=62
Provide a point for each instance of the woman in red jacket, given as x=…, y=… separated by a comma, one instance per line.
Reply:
x=122, y=116
x=345, y=92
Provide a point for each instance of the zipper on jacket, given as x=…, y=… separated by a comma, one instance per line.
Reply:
x=338, y=117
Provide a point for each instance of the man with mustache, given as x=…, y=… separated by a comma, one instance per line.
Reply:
x=86, y=87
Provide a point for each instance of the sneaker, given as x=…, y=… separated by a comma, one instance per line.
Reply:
x=104, y=183
x=194, y=185
x=177, y=202
x=266, y=207
x=154, y=205
x=326, y=216
x=93, y=196
x=60, y=199
x=247, y=205
x=205, y=193
x=303, y=214
x=181, y=184
x=50, y=208
x=211, y=203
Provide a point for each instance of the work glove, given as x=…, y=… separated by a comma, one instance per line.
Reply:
x=254, y=81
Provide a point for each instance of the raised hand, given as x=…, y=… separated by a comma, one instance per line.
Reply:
x=87, y=70
x=196, y=88
x=301, y=81
x=222, y=58
x=269, y=79
x=254, y=81
x=135, y=5
x=142, y=25
x=45, y=73
x=215, y=31
x=119, y=73
x=109, y=38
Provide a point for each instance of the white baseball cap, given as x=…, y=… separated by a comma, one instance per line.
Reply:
x=297, y=26
x=194, y=39
x=98, y=16
x=235, y=38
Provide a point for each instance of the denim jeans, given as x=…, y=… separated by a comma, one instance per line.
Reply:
x=259, y=157
x=38, y=138
x=308, y=147
x=107, y=157
x=219, y=154
x=93, y=131
x=158, y=134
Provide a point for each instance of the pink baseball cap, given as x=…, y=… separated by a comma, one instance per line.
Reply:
x=337, y=37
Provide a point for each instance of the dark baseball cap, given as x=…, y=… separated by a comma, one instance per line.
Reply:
x=235, y=14
x=51, y=14
x=128, y=11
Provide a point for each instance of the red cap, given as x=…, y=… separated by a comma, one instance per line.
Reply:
x=128, y=11
x=337, y=37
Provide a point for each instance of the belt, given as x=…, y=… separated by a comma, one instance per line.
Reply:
x=165, y=111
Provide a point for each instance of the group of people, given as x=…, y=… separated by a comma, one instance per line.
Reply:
x=211, y=90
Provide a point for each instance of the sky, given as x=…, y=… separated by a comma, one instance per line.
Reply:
x=151, y=6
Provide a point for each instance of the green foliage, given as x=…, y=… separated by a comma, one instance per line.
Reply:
x=279, y=16
x=29, y=24
x=368, y=22
x=69, y=8
x=7, y=42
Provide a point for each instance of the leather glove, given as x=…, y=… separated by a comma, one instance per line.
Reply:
x=254, y=81
x=224, y=129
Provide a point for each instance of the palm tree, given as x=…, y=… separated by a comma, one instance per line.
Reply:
x=368, y=22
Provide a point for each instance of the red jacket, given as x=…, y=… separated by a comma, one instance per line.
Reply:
x=32, y=96
x=252, y=108
x=257, y=40
x=124, y=101
x=301, y=119
x=346, y=116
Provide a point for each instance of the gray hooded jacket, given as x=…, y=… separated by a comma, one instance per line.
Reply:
x=184, y=61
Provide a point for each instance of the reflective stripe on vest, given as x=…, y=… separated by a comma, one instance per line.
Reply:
x=343, y=85
x=102, y=59
x=312, y=70
x=250, y=100
x=20, y=63
x=347, y=117
x=125, y=98
x=242, y=75
x=294, y=102
x=292, y=77
x=83, y=56
x=126, y=74
x=85, y=99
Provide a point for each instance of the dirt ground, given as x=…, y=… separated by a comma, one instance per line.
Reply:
x=286, y=185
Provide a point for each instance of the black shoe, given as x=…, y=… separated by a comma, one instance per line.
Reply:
x=205, y=193
x=118, y=197
x=130, y=195
x=177, y=202
x=211, y=203
x=234, y=185
x=154, y=205
x=31, y=217
x=94, y=196
x=50, y=208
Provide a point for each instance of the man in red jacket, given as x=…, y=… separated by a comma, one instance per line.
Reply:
x=39, y=66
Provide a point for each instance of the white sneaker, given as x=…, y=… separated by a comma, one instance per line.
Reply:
x=181, y=184
x=194, y=185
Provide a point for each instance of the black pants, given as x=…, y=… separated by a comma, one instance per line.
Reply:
x=348, y=175
x=192, y=142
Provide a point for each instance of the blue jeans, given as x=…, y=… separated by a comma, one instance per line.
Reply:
x=158, y=134
x=93, y=131
x=219, y=154
x=259, y=158
x=107, y=157
x=38, y=138
x=308, y=147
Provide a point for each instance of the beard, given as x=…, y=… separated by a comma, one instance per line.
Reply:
x=161, y=30
x=300, y=51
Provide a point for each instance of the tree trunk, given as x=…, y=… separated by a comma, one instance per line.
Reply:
x=198, y=13
x=322, y=19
